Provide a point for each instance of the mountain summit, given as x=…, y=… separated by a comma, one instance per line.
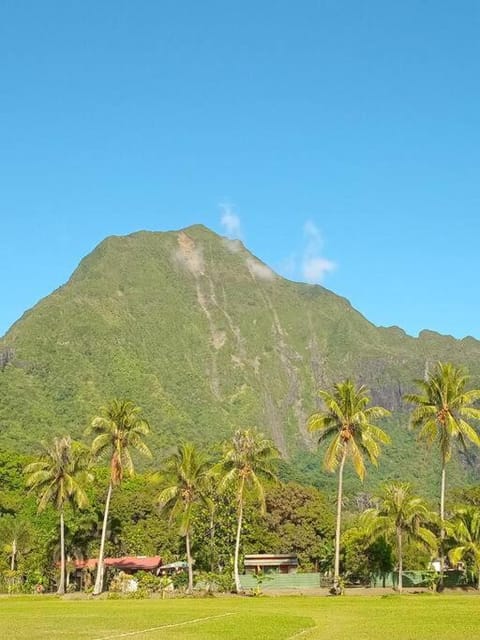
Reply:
x=206, y=338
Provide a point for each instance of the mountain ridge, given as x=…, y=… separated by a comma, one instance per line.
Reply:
x=207, y=338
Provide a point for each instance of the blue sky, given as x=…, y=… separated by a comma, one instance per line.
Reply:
x=339, y=139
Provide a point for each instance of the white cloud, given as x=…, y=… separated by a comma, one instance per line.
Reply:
x=234, y=246
x=230, y=222
x=259, y=270
x=314, y=269
x=314, y=265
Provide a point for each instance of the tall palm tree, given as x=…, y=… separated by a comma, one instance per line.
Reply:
x=464, y=533
x=443, y=407
x=248, y=461
x=400, y=517
x=119, y=428
x=58, y=477
x=187, y=470
x=347, y=420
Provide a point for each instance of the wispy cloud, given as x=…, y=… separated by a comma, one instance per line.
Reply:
x=309, y=264
x=314, y=269
x=259, y=270
x=314, y=265
x=230, y=222
x=234, y=246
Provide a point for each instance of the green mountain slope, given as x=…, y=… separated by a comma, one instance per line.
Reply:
x=205, y=338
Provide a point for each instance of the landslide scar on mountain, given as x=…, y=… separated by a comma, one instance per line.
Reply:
x=191, y=257
x=289, y=358
x=189, y=254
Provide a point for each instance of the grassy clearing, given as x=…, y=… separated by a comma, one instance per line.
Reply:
x=410, y=617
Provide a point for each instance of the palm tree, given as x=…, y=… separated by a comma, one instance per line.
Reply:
x=443, y=405
x=347, y=420
x=15, y=537
x=187, y=471
x=400, y=517
x=58, y=477
x=464, y=532
x=248, y=461
x=119, y=428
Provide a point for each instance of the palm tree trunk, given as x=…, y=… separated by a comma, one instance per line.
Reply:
x=442, y=527
x=212, y=540
x=190, y=563
x=400, y=560
x=100, y=569
x=238, y=586
x=70, y=569
x=14, y=554
x=338, y=529
x=61, y=584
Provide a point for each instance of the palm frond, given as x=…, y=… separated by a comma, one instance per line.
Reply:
x=59, y=474
x=118, y=429
x=347, y=420
x=334, y=453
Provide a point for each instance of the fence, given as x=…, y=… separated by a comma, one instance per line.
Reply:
x=305, y=581
x=451, y=578
x=300, y=581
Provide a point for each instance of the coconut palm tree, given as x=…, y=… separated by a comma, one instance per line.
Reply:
x=248, y=461
x=59, y=477
x=400, y=517
x=187, y=472
x=443, y=407
x=347, y=420
x=464, y=533
x=118, y=429
x=15, y=537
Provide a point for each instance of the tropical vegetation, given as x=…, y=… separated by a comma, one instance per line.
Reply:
x=56, y=477
x=208, y=341
x=399, y=518
x=231, y=499
x=347, y=420
x=118, y=429
x=464, y=533
x=181, y=323
x=443, y=412
x=248, y=461
x=187, y=470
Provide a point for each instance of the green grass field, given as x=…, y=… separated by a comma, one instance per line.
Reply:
x=410, y=617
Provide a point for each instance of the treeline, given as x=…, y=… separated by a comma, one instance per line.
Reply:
x=297, y=518
x=206, y=508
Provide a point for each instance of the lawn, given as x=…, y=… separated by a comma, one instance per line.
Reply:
x=410, y=617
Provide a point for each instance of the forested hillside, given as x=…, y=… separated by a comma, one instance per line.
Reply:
x=206, y=338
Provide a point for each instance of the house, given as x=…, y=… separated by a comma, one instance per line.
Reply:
x=172, y=568
x=270, y=563
x=128, y=564
x=84, y=569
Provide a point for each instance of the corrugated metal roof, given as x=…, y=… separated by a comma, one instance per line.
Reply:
x=138, y=563
x=269, y=560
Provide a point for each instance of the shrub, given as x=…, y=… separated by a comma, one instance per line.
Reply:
x=216, y=582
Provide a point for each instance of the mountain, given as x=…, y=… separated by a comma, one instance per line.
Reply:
x=206, y=338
